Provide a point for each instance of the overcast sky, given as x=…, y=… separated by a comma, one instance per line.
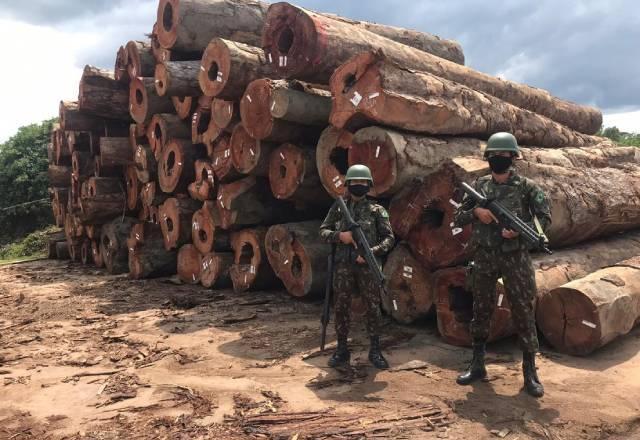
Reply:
x=582, y=50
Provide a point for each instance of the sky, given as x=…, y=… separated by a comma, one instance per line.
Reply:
x=585, y=51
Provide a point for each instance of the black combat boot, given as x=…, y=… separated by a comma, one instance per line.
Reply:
x=476, y=370
x=531, y=382
x=375, y=354
x=341, y=356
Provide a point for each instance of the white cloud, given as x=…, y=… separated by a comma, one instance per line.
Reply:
x=629, y=121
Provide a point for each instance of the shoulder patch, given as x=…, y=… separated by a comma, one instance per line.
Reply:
x=383, y=212
x=539, y=197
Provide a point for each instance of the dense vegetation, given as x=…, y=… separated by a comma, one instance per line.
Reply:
x=621, y=137
x=34, y=244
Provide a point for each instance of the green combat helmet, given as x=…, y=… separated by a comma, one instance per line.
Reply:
x=502, y=141
x=359, y=172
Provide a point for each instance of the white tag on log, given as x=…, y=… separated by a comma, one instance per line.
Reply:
x=407, y=275
x=270, y=58
x=589, y=324
x=374, y=95
x=286, y=262
x=456, y=231
x=249, y=98
x=252, y=269
x=219, y=79
x=357, y=97
x=395, y=305
x=202, y=68
x=281, y=156
x=336, y=178
x=251, y=151
x=377, y=151
x=408, y=269
x=454, y=203
x=500, y=298
x=338, y=184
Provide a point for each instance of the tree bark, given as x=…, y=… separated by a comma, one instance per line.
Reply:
x=176, y=168
x=184, y=106
x=102, y=171
x=248, y=155
x=137, y=135
x=332, y=159
x=150, y=261
x=225, y=114
x=62, y=250
x=86, y=254
x=189, y=25
x=146, y=164
x=251, y=269
x=101, y=186
x=73, y=119
x=113, y=245
x=215, y=270
x=189, y=264
x=205, y=235
x=134, y=201
x=152, y=196
x=101, y=95
x=586, y=314
x=140, y=59
x=115, y=151
x=61, y=147
x=164, y=127
x=175, y=220
x=82, y=165
x=204, y=187
x=59, y=176
x=102, y=209
x=93, y=231
x=178, y=78
x=388, y=94
x=97, y=253
x=256, y=111
x=145, y=102
x=298, y=257
x=78, y=140
x=228, y=67
x=409, y=285
x=120, y=71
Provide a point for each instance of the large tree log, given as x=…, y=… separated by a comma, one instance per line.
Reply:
x=176, y=168
x=113, y=245
x=228, y=67
x=164, y=127
x=151, y=195
x=205, y=235
x=310, y=47
x=78, y=140
x=145, y=233
x=588, y=313
x=137, y=135
x=146, y=164
x=308, y=107
x=73, y=119
x=189, y=264
x=106, y=171
x=62, y=250
x=225, y=114
x=101, y=209
x=409, y=285
x=151, y=262
x=175, y=220
x=59, y=176
x=222, y=161
x=298, y=257
x=115, y=151
x=215, y=270
x=200, y=122
x=293, y=176
x=332, y=159
x=386, y=93
x=178, y=78
x=140, y=59
x=145, y=102
x=101, y=95
x=86, y=254
x=120, y=71
x=62, y=153
x=133, y=186
x=189, y=25
x=82, y=165
x=251, y=269
x=248, y=155
x=184, y=106
x=204, y=187
x=98, y=261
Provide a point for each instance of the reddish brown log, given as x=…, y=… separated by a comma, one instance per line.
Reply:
x=204, y=186
x=93, y=231
x=332, y=159
x=96, y=253
x=409, y=286
x=251, y=269
x=101, y=95
x=159, y=53
x=176, y=167
x=86, y=254
x=82, y=165
x=146, y=164
x=298, y=257
x=453, y=325
x=189, y=264
x=152, y=196
x=175, y=220
x=228, y=67
x=184, y=105
x=115, y=151
x=222, y=161
x=154, y=215
x=101, y=171
x=211, y=136
x=151, y=262
x=113, y=245
x=72, y=119
x=144, y=213
x=293, y=176
x=145, y=102
x=225, y=114
x=120, y=72
x=215, y=270
x=145, y=234
x=59, y=176
x=200, y=121
x=101, y=186
x=204, y=234
x=386, y=93
x=137, y=135
x=75, y=252
x=62, y=251
x=164, y=127
x=78, y=140
x=310, y=47
x=74, y=196
x=309, y=107
x=248, y=155
x=189, y=25
x=102, y=209
x=133, y=188
x=140, y=59
x=178, y=78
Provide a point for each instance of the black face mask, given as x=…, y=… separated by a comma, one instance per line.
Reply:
x=359, y=190
x=500, y=164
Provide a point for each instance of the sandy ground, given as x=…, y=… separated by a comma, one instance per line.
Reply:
x=84, y=356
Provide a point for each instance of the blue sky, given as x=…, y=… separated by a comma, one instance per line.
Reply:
x=585, y=51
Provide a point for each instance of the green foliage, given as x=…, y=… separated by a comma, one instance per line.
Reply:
x=33, y=244
x=23, y=178
x=621, y=137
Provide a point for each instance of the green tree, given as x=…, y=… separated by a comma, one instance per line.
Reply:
x=23, y=178
x=620, y=137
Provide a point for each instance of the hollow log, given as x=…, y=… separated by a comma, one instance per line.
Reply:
x=145, y=101
x=225, y=114
x=140, y=59
x=176, y=168
x=175, y=220
x=228, y=67
x=154, y=215
x=310, y=47
x=151, y=195
x=120, y=71
x=164, y=127
x=248, y=155
x=204, y=186
x=251, y=270
x=96, y=253
x=332, y=159
x=385, y=93
x=184, y=106
x=159, y=53
x=137, y=135
x=146, y=164
x=115, y=151
x=59, y=176
x=189, y=264
x=409, y=285
x=298, y=257
x=205, y=235
x=222, y=161
x=82, y=165
x=200, y=122
x=78, y=140
x=586, y=314
x=189, y=25
x=62, y=250
x=150, y=261
x=113, y=245
x=86, y=254
x=215, y=270
x=133, y=188
x=178, y=78
x=101, y=95
x=259, y=99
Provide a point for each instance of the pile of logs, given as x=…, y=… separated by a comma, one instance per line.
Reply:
x=214, y=149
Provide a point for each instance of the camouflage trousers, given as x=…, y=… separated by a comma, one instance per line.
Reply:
x=350, y=280
x=519, y=280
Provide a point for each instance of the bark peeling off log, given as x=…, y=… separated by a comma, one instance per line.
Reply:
x=144, y=101
x=332, y=159
x=189, y=264
x=215, y=270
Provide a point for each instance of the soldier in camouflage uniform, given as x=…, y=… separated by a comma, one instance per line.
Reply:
x=501, y=253
x=351, y=274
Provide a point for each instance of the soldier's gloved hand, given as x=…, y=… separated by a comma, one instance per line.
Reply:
x=431, y=216
x=347, y=238
x=485, y=216
x=509, y=234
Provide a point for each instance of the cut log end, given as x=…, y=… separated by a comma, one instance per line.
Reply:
x=378, y=152
x=332, y=159
x=168, y=20
x=189, y=264
x=286, y=170
x=138, y=100
x=254, y=109
x=216, y=65
x=162, y=79
x=215, y=270
x=248, y=154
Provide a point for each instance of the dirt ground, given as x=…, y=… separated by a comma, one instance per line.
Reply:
x=89, y=356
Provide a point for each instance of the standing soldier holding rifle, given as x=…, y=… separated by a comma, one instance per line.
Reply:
x=362, y=235
x=504, y=209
